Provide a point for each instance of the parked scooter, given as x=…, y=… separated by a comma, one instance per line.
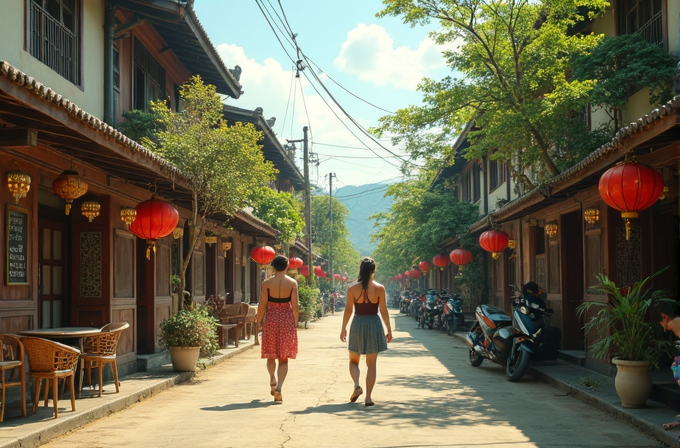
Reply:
x=454, y=313
x=514, y=341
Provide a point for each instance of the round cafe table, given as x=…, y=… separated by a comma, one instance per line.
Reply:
x=79, y=333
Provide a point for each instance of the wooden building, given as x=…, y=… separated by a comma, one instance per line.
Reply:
x=69, y=69
x=585, y=235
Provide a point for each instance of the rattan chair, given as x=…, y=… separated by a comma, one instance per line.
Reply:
x=12, y=369
x=100, y=350
x=51, y=360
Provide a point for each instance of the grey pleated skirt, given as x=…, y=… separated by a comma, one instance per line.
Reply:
x=366, y=335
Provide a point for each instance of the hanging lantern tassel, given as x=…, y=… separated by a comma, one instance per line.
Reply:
x=150, y=245
x=627, y=216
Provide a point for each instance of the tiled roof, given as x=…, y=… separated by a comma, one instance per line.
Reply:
x=47, y=94
x=567, y=177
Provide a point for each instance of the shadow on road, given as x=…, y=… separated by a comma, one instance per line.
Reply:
x=238, y=406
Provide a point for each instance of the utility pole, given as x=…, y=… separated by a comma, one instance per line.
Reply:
x=308, y=208
x=330, y=217
x=308, y=205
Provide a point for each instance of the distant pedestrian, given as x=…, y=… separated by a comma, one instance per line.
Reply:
x=279, y=334
x=366, y=336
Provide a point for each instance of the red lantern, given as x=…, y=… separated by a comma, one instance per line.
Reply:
x=263, y=255
x=424, y=266
x=441, y=261
x=344, y=278
x=337, y=277
x=401, y=276
x=304, y=271
x=460, y=257
x=494, y=241
x=295, y=263
x=407, y=274
x=319, y=272
x=155, y=219
x=415, y=273
x=630, y=187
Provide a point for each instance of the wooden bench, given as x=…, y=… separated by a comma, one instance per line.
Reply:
x=223, y=335
x=252, y=327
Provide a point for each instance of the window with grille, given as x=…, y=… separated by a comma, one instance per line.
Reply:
x=149, y=78
x=54, y=36
x=497, y=174
x=643, y=17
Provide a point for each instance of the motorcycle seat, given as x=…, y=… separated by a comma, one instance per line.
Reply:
x=496, y=315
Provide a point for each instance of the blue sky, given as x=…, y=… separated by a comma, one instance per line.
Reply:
x=378, y=60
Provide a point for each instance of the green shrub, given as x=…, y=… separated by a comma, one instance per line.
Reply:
x=308, y=301
x=191, y=327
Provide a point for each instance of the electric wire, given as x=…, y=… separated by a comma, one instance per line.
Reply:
x=352, y=120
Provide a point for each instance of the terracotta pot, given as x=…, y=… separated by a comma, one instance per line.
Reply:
x=633, y=382
x=184, y=359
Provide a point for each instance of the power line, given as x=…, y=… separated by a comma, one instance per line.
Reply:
x=318, y=80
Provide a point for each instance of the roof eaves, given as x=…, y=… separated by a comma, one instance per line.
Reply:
x=610, y=149
x=128, y=145
x=192, y=21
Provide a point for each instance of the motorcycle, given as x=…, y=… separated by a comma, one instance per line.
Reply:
x=428, y=312
x=454, y=313
x=513, y=341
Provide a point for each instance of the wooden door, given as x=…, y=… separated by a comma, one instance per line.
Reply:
x=52, y=272
x=572, y=274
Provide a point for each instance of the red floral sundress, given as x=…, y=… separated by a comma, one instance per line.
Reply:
x=279, y=335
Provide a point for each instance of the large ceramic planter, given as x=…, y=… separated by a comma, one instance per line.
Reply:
x=633, y=382
x=184, y=359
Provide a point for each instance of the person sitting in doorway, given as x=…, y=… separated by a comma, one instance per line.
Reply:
x=670, y=321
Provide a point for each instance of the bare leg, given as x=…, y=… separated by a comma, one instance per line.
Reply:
x=271, y=368
x=282, y=372
x=354, y=359
x=371, y=374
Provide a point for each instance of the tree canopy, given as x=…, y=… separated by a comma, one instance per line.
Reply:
x=418, y=222
x=224, y=164
x=345, y=257
x=513, y=64
x=281, y=211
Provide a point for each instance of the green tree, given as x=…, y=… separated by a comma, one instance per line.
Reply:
x=281, y=211
x=514, y=60
x=622, y=65
x=224, y=164
x=345, y=257
x=419, y=220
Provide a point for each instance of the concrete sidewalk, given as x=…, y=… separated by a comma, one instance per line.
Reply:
x=36, y=429
x=30, y=432
x=568, y=379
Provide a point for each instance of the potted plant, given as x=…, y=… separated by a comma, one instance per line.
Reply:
x=620, y=323
x=188, y=334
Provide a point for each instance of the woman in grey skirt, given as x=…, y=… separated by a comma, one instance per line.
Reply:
x=366, y=335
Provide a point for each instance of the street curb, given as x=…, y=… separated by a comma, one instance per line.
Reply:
x=66, y=422
x=596, y=402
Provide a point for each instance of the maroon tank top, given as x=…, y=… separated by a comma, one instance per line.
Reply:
x=366, y=307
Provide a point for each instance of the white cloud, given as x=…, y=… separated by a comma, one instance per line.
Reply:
x=369, y=53
x=268, y=85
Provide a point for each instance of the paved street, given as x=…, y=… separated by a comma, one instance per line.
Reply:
x=427, y=396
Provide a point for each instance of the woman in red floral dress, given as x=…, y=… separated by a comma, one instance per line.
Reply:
x=279, y=300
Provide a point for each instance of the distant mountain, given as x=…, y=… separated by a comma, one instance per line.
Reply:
x=363, y=201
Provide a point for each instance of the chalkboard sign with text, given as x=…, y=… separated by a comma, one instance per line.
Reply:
x=16, y=243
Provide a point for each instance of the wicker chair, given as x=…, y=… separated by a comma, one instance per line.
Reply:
x=100, y=350
x=12, y=366
x=51, y=360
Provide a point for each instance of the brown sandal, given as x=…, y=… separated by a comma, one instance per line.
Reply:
x=357, y=391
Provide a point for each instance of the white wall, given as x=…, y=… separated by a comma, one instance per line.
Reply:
x=90, y=96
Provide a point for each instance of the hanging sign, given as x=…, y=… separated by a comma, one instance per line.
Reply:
x=16, y=244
